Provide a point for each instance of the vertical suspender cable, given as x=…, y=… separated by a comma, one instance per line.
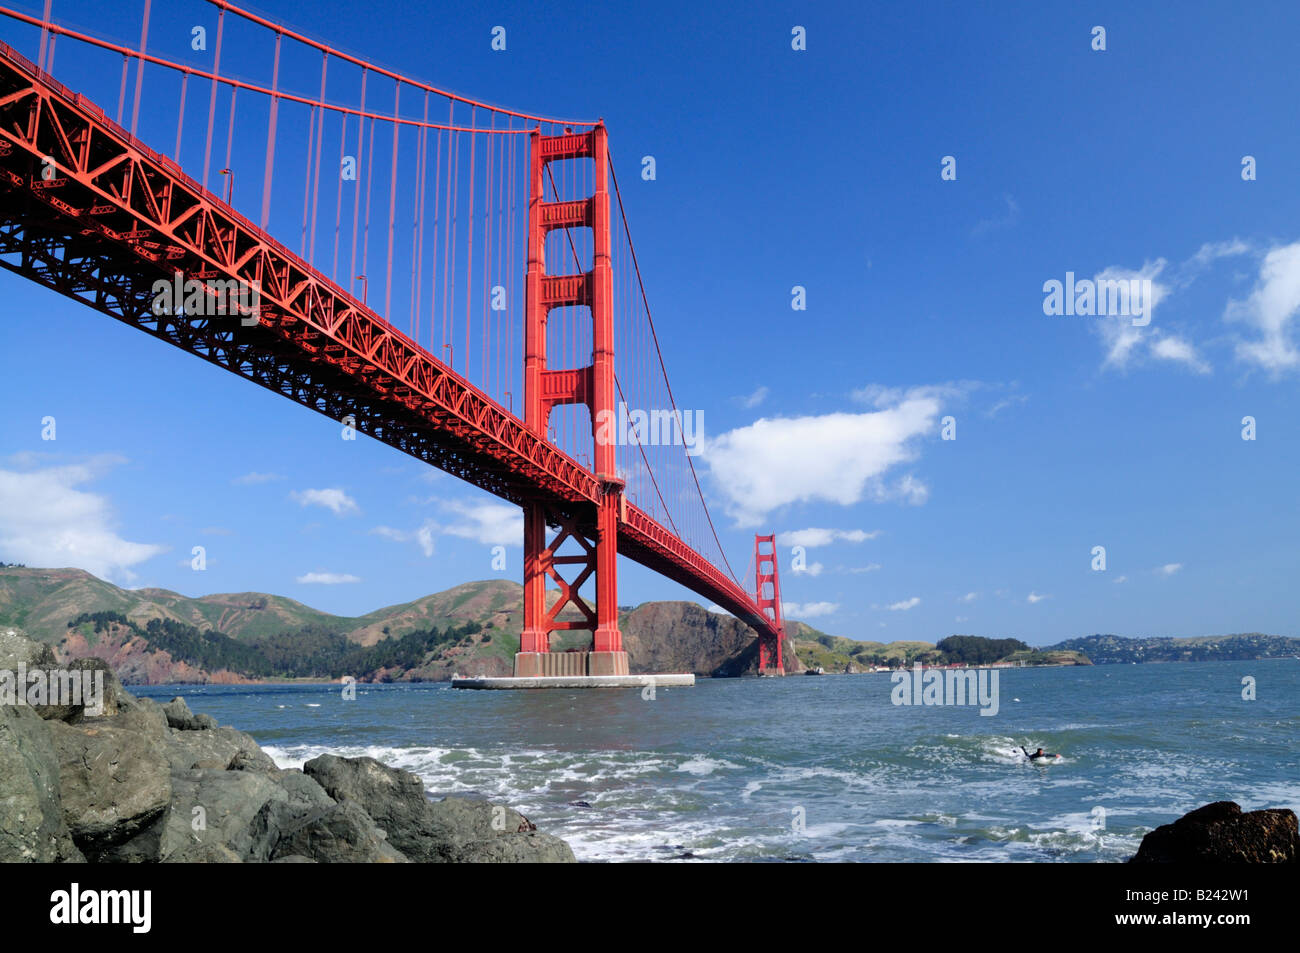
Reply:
x=392, y=207
x=338, y=202
x=356, y=182
x=212, y=97
x=270, y=135
x=45, y=33
x=180, y=114
x=320, y=138
x=139, y=67
x=469, y=253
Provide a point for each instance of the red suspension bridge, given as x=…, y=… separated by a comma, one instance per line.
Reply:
x=400, y=192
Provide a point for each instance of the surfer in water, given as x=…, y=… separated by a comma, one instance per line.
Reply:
x=1039, y=755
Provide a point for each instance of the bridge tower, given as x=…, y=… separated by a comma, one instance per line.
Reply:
x=546, y=388
x=768, y=590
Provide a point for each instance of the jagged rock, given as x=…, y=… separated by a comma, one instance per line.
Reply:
x=393, y=798
x=32, y=825
x=16, y=649
x=147, y=719
x=181, y=718
x=114, y=697
x=123, y=787
x=1222, y=833
x=303, y=796
x=219, y=808
x=340, y=833
x=304, y=793
x=20, y=656
x=479, y=832
x=113, y=780
x=237, y=751
x=450, y=830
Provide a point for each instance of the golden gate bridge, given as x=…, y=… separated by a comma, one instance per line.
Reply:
x=496, y=240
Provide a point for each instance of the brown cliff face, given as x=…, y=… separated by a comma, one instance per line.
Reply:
x=664, y=637
x=136, y=664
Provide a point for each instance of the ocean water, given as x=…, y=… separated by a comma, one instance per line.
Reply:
x=820, y=769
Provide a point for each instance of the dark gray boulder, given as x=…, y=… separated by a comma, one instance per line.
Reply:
x=233, y=749
x=141, y=782
x=181, y=718
x=113, y=782
x=16, y=651
x=479, y=832
x=450, y=830
x=1221, y=833
x=219, y=808
x=32, y=824
x=340, y=833
x=277, y=817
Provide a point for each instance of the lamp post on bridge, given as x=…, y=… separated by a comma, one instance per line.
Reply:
x=230, y=185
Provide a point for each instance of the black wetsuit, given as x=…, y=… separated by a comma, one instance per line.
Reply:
x=1037, y=754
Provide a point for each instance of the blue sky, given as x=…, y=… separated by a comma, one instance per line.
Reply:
x=775, y=168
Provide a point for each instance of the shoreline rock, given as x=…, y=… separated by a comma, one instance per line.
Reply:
x=1221, y=833
x=148, y=783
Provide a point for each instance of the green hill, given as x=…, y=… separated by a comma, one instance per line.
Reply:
x=1117, y=649
x=155, y=635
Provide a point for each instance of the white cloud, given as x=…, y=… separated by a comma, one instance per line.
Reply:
x=836, y=458
x=1119, y=336
x=1213, y=251
x=809, y=538
x=488, y=523
x=1270, y=311
x=1009, y=401
x=856, y=570
x=1036, y=598
x=492, y=524
x=905, y=605
x=969, y=597
x=1121, y=579
x=327, y=578
x=807, y=610
x=250, y=479
x=1177, y=349
x=754, y=399
x=424, y=536
x=45, y=520
x=333, y=499
x=815, y=569
x=1168, y=569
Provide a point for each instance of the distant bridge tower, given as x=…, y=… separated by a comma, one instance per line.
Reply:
x=768, y=589
x=546, y=388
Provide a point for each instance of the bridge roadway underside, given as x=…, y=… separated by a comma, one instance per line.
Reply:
x=45, y=247
x=81, y=240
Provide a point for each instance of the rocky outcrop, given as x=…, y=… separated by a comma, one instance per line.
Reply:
x=682, y=637
x=453, y=830
x=1221, y=833
x=114, y=782
x=32, y=826
x=143, y=782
